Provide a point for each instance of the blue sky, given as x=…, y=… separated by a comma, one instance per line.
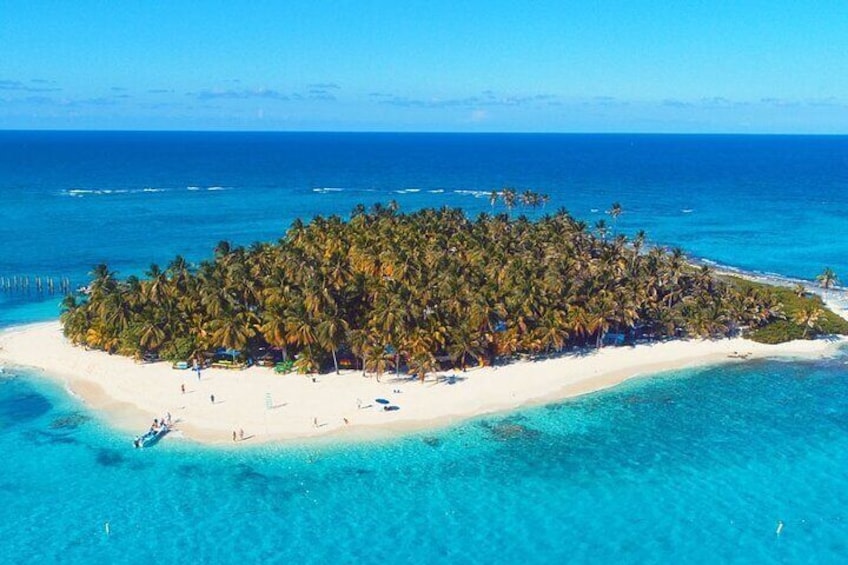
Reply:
x=558, y=66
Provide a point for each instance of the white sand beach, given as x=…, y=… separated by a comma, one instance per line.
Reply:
x=130, y=395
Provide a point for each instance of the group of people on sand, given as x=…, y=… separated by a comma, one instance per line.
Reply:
x=239, y=435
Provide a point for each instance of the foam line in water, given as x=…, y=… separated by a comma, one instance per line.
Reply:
x=82, y=192
x=474, y=193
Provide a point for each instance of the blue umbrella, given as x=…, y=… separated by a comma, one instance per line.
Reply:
x=381, y=401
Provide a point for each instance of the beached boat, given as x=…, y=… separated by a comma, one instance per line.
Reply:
x=152, y=436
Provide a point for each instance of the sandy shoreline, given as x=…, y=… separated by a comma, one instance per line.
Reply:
x=130, y=395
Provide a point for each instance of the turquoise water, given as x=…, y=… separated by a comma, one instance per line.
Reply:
x=695, y=466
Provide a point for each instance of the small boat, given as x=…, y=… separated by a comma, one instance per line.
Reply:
x=152, y=436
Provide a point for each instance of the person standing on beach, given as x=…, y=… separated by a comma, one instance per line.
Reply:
x=182, y=388
x=234, y=435
x=212, y=398
x=241, y=434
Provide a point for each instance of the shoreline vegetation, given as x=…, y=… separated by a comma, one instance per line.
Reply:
x=447, y=317
x=427, y=291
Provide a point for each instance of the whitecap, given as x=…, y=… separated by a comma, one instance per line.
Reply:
x=326, y=189
x=687, y=210
x=594, y=210
x=80, y=192
x=193, y=188
x=149, y=189
x=474, y=193
x=436, y=191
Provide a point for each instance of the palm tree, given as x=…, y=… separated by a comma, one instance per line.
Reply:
x=274, y=330
x=234, y=330
x=808, y=317
x=827, y=279
x=300, y=327
x=493, y=198
x=601, y=228
x=464, y=343
x=330, y=334
x=509, y=197
x=151, y=336
x=421, y=363
x=103, y=281
x=614, y=212
x=155, y=287
x=375, y=360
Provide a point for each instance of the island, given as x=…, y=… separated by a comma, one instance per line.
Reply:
x=393, y=321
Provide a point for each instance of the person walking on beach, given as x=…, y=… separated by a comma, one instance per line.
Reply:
x=234, y=435
x=241, y=434
x=314, y=422
x=212, y=398
x=182, y=388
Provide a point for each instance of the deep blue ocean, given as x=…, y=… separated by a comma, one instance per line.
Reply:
x=693, y=466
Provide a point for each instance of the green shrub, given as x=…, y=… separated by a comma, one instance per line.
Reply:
x=782, y=330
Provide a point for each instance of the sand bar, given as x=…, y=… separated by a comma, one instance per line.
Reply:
x=130, y=394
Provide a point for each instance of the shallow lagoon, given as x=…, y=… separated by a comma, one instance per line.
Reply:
x=699, y=465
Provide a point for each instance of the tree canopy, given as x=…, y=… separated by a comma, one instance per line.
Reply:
x=419, y=289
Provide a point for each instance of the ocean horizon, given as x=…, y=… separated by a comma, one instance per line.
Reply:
x=699, y=465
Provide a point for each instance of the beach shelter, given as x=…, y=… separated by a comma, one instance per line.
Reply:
x=225, y=351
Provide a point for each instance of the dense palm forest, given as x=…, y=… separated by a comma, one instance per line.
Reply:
x=415, y=291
